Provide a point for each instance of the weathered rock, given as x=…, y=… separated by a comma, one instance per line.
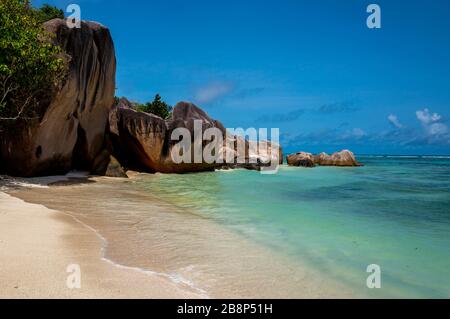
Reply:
x=343, y=158
x=321, y=158
x=138, y=139
x=301, y=159
x=114, y=169
x=143, y=141
x=107, y=165
x=258, y=155
x=185, y=115
x=101, y=163
x=124, y=103
x=71, y=132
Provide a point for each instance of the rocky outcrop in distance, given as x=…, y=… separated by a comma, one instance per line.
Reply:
x=142, y=141
x=343, y=158
x=301, y=159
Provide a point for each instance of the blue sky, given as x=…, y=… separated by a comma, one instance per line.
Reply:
x=311, y=68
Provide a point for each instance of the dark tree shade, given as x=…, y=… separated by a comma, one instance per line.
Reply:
x=30, y=66
x=47, y=13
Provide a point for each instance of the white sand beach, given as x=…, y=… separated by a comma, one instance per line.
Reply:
x=38, y=244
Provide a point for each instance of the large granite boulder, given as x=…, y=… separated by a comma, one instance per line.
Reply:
x=301, y=159
x=143, y=141
x=342, y=158
x=70, y=134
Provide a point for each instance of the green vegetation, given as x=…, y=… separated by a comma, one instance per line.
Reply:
x=157, y=107
x=30, y=66
x=47, y=13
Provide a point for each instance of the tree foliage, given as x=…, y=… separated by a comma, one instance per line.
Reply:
x=30, y=66
x=47, y=13
x=157, y=107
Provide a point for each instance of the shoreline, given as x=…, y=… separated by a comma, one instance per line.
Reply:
x=58, y=195
x=38, y=244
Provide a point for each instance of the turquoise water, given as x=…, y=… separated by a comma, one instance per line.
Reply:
x=394, y=212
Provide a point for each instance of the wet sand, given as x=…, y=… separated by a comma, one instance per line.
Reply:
x=38, y=244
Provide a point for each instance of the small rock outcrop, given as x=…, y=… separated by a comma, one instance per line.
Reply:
x=301, y=159
x=343, y=158
x=71, y=132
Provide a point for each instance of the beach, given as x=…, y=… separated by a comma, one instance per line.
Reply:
x=135, y=245
x=38, y=244
x=302, y=233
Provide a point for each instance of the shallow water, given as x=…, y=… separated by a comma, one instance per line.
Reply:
x=300, y=233
x=394, y=212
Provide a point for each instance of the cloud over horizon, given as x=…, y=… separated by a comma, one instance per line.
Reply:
x=213, y=91
x=431, y=132
x=432, y=122
x=393, y=119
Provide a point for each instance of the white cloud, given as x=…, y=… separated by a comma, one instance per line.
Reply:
x=353, y=134
x=431, y=122
x=213, y=91
x=438, y=129
x=357, y=132
x=434, y=132
x=393, y=119
x=425, y=117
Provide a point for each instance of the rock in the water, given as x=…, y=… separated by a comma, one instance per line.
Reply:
x=321, y=158
x=343, y=158
x=301, y=159
x=72, y=130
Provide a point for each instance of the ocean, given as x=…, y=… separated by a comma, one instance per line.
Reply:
x=299, y=233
